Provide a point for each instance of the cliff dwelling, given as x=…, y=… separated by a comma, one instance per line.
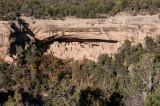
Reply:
x=82, y=38
x=79, y=49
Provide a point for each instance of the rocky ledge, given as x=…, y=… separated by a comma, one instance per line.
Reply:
x=80, y=38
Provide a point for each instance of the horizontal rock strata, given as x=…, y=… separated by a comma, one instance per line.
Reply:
x=85, y=38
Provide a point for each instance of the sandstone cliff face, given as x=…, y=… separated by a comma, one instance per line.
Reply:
x=12, y=36
x=116, y=28
x=4, y=39
x=88, y=38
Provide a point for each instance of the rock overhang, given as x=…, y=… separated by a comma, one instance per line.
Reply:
x=108, y=33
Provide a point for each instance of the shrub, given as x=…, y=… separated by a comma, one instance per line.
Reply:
x=104, y=59
x=153, y=99
x=0, y=59
x=126, y=45
x=150, y=44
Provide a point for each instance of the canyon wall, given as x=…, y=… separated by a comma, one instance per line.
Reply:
x=86, y=38
x=4, y=38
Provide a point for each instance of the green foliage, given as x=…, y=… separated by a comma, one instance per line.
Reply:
x=76, y=68
x=157, y=3
x=4, y=67
x=11, y=10
x=150, y=44
x=0, y=60
x=17, y=76
x=90, y=97
x=20, y=55
x=153, y=99
x=31, y=55
x=91, y=65
x=158, y=39
x=16, y=100
x=7, y=81
x=126, y=45
x=104, y=59
x=17, y=97
x=124, y=3
x=125, y=78
x=10, y=102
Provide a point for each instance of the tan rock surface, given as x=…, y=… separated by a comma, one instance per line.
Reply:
x=4, y=38
x=118, y=28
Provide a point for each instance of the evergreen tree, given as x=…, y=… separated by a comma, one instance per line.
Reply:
x=150, y=44
x=20, y=55
x=10, y=102
x=32, y=55
x=17, y=97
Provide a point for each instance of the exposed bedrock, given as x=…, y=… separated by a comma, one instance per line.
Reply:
x=11, y=36
x=84, y=38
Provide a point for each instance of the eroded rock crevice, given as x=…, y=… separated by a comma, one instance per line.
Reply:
x=84, y=40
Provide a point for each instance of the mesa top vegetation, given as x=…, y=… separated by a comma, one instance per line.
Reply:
x=11, y=9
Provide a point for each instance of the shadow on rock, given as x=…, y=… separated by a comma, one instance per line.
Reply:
x=20, y=36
